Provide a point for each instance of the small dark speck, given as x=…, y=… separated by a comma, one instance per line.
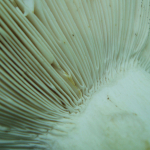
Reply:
x=72, y=34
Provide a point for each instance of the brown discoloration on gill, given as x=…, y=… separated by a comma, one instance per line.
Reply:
x=69, y=81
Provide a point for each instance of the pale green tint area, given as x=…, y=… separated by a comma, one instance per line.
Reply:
x=75, y=74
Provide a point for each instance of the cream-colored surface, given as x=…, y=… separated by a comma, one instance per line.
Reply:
x=56, y=55
x=117, y=117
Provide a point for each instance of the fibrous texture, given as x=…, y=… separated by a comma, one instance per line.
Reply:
x=75, y=74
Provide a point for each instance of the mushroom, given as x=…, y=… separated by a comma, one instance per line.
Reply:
x=75, y=74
